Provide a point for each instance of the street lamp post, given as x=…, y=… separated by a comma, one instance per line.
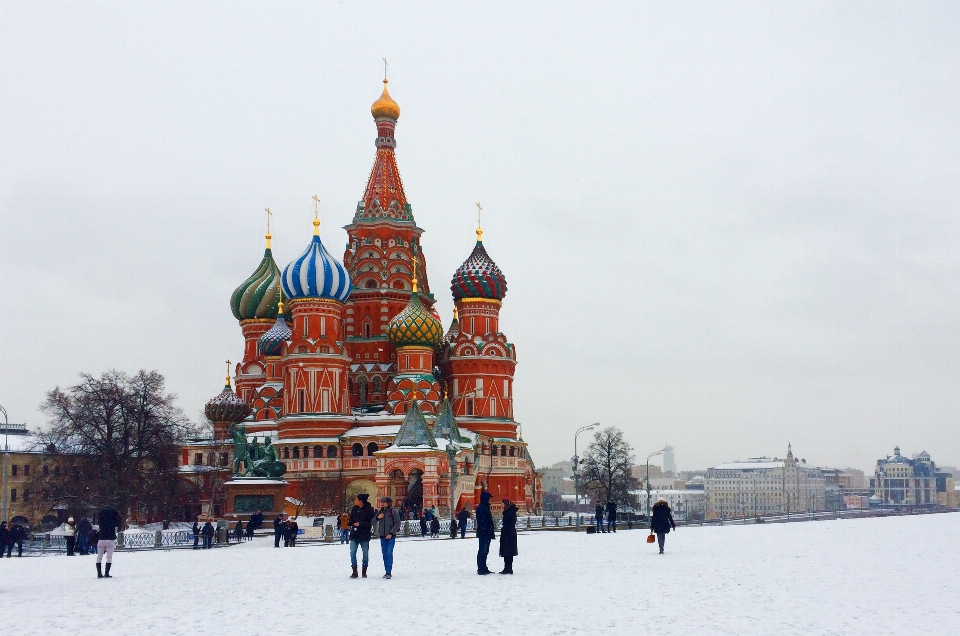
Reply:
x=452, y=461
x=576, y=470
x=653, y=454
x=6, y=459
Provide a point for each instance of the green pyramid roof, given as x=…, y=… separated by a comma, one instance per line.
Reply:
x=446, y=425
x=414, y=430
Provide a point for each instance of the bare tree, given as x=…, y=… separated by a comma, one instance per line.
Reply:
x=113, y=440
x=322, y=494
x=606, y=467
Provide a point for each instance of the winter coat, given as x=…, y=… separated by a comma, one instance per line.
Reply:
x=485, y=527
x=344, y=520
x=207, y=529
x=196, y=529
x=277, y=525
x=109, y=524
x=662, y=521
x=362, y=515
x=94, y=537
x=84, y=527
x=435, y=526
x=463, y=517
x=598, y=511
x=390, y=524
x=292, y=530
x=69, y=530
x=611, y=510
x=4, y=535
x=508, y=533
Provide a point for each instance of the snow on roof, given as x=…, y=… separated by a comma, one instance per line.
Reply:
x=398, y=450
x=373, y=431
x=254, y=482
x=750, y=465
x=192, y=468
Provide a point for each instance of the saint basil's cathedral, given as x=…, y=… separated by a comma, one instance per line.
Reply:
x=348, y=373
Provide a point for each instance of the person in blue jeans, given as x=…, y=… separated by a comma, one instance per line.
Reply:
x=388, y=525
x=361, y=525
x=485, y=532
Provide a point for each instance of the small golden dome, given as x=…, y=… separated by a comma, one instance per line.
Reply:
x=385, y=106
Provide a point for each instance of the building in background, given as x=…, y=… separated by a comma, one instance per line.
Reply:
x=24, y=462
x=763, y=486
x=669, y=463
x=687, y=505
x=901, y=481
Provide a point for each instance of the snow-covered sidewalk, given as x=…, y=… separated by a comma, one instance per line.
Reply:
x=865, y=576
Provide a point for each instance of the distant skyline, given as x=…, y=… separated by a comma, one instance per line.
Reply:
x=724, y=225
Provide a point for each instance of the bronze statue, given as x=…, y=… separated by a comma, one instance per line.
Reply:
x=256, y=461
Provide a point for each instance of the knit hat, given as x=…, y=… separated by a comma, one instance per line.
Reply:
x=363, y=497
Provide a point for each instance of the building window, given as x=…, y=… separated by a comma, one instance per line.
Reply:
x=366, y=329
x=318, y=451
x=306, y=452
x=377, y=384
x=331, y=451
x=511, y=451
x=46, y=470
x=493, y=451
x=300, y=398
x=503, y=451
x=13, y=494
x=26, y=470
x=198, y=459
x=286, y=453
x=296, y=452
x=469, y=407
x=224, y=459
x=357, y=449
x=14, y=470
x=372, y=448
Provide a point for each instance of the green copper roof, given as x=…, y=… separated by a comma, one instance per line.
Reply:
x=415, y=326
x=446, y=425
x=414, y=430
x=257, y=297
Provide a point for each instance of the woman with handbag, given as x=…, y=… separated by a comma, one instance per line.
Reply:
x=661, y=523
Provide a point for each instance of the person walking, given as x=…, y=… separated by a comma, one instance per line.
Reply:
x=293, y=530
x=70, y=535
x=196, y=534
x=84, y=528
x=661, y=522
x=361, y=525
x=207, y=534
x=598, y=516
x=343, y=524
x=612, y=516
x=508, y=536
x=388, y=524
x=462, y=518
x=277, y=531
x=435, y=527
x=251, y=526
x=423, y=523
x=110, y=522
x=238, y=532
x=17, y=534
x=4, y=537
x=485, y=532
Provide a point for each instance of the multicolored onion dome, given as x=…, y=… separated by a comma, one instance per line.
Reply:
x=479, y=277
x=227, y=407
x=415, y=326
x=385, y=106
x=316, y=274
x=271, y=342
x=257, y=296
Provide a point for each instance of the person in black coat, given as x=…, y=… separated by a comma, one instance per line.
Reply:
x=598, y=516
x=661, y=522
x=110, y=522
x=361, y=527
x=84, y=528
x=196, y=534
x=612, y=516
x=207, y=532
x=508, y=536
x=277, y=531
x=462, y=518
x=435, y=527
x=485, y=532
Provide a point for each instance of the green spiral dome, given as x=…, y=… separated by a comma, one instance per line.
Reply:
x=415, y=326
x=258, y=296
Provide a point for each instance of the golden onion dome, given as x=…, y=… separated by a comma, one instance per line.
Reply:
x=385, y=106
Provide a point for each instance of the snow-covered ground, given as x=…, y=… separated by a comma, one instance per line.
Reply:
x=865, y=576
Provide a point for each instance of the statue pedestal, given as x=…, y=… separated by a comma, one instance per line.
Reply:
x=246, y=495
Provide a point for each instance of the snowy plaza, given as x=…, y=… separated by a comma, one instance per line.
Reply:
x=824, y=577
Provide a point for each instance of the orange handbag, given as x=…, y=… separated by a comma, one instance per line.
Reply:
x=651, y=538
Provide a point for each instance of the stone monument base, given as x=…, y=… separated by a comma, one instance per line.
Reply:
x=246, y=495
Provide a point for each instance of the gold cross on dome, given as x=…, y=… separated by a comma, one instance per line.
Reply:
x=316, y=206
x=384, y=68
x=228, y=372
x=479, y=226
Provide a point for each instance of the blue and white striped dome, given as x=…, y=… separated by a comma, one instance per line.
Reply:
x=316, y=274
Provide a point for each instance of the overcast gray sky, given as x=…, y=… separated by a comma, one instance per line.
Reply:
x=724, y=225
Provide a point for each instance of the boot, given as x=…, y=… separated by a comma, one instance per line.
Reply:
x=99, y=572
x=364, y=574
x=354, y=575
x=106, y=574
